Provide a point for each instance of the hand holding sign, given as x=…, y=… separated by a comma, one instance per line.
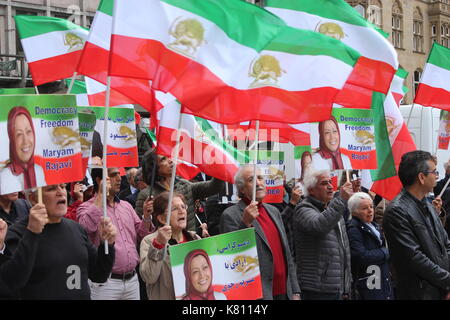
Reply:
x=107, y=231
x=38, y=218
x=3, y=230
x=250, y=213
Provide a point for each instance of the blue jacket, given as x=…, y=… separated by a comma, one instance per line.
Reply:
x=368, y=253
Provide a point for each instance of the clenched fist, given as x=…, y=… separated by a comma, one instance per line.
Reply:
x=38, y=218
x=250, y=213
x=107, y=230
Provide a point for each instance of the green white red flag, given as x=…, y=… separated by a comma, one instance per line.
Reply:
x=434, y=87
x=52, y=46
x=94, y=59
x=200, y=144
x=393, y=139
x=337, y=19
x=229, y=61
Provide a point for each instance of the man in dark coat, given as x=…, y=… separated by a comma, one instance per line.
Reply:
x=418, y=243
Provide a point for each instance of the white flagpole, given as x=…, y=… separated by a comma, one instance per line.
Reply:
x=39, y=190
x=255, y=160
x=105, y=145
x=72, y=82
x=172, y=178
x=36, y=89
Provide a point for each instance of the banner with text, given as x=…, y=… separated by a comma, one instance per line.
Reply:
x=222, y=267
x=87, y=123
x=121, y=138
x=41, y=143
x=345, y=141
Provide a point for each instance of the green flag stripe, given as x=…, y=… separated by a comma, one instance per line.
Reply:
x=385, y=159
x=243, y=22
x=440, y=56
x=106, y=6
x=402, y=73
x=79, y=87
x=17, y=91
x=331, y=9
x=306, y=42
x=209, y=131
x=30, y=26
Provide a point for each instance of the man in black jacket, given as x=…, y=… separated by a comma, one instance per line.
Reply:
x=418, y=243
x=50, y=257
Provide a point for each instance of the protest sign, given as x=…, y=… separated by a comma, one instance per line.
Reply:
x=121, y=139
x=41, y=143
x=230, y=263
x=444, y=130
x=346, y=141
x=87, y=123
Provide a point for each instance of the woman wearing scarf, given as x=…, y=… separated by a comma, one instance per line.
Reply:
x=155, y=271
x=198, y=274
x=21, y=172
x=329, y=156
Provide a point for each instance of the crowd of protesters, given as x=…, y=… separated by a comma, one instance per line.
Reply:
x=318, y=244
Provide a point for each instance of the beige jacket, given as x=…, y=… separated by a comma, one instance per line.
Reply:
x=156, y=273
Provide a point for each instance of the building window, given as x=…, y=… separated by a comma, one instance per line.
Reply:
x=397, y=25
x=433, y=30
x=417, y=76
x=361, y=10
x=418, y=31
x=374, y=13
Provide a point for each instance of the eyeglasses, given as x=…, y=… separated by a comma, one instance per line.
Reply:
x=435, y=172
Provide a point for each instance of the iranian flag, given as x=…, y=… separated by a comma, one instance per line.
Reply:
x=200, y=144
x=184, y=169
x=434, y=87
x=52, y=46
x=95, y=59
x=93, y=93
x=392, y=138
x=337, y=19
x=229, y=61
x=297, y=134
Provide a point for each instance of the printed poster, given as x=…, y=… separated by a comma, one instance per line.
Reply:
x=87, y=123
x=222, y=267
x=121, y=138
x=444, y=130
x=345, y=141
x=40, y=141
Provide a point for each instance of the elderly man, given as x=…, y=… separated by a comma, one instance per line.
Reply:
x=276, y=265
x=131, y=188
x=370, y=266
x=418, y=243
x=12, y=208
x=322, y=247
x=47, y=256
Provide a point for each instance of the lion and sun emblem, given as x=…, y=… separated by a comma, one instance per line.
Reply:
x=188, y=35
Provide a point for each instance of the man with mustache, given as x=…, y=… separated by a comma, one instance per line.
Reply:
x=123, y=284
x=47, y=256
x=277, y=268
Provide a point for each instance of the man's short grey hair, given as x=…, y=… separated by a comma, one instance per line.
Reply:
x=129, y=173
x=355, y=200
x=311, y=178
x=139, y=176
x=239, y=179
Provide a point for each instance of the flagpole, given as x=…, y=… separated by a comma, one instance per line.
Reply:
x=409, y=116
x=105, y=145
x=223, y=142
x=72, y=82
x=172, y=178
x=255, y=161
x=432, y=133
x=39, y=190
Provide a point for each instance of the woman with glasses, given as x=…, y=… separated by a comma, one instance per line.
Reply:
x=155, y=266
